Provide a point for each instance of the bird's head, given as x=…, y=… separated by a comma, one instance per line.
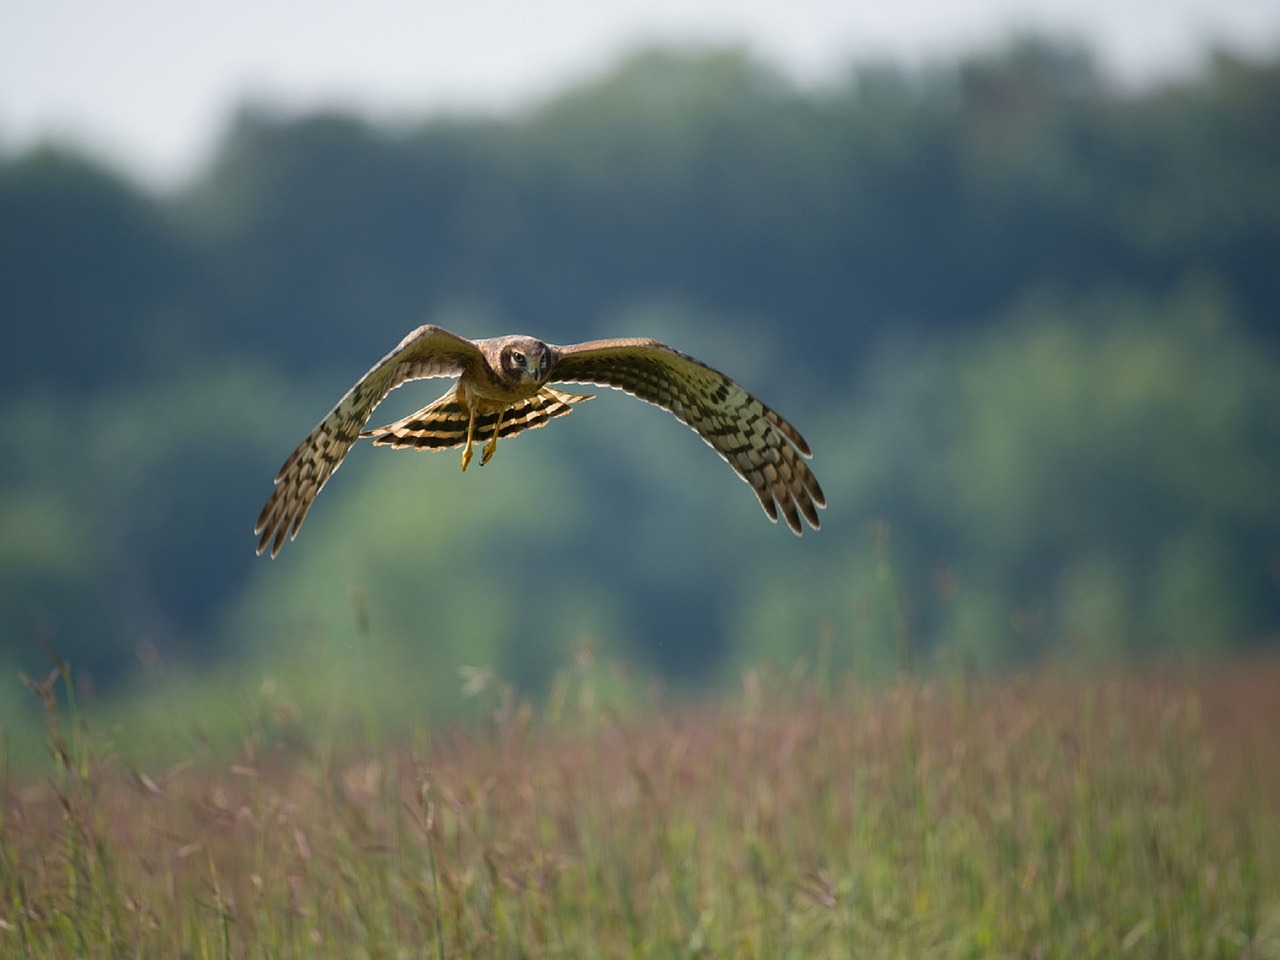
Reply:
x=525, y=360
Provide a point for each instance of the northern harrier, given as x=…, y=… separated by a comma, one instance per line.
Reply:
x=503, y=388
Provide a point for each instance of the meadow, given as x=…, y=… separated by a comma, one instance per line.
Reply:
x=1048, y=814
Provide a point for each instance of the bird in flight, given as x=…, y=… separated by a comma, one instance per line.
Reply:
x=503, y=388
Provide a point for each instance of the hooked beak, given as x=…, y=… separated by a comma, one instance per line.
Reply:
x=536, y=372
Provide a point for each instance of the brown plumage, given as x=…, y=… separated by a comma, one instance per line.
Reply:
x=503, y=389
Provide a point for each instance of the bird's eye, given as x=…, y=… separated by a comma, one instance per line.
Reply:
x=518, y=358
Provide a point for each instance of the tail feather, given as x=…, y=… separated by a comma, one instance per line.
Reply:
x=443, y=424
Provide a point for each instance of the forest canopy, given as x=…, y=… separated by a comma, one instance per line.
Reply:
x=1026, y=320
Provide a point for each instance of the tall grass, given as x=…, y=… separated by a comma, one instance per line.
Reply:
x=1044, y=816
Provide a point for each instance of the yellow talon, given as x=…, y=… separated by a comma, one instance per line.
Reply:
x=466, y=450
x=492, y=444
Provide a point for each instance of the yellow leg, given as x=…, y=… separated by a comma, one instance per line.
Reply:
x=492, y=445
x=466, y=450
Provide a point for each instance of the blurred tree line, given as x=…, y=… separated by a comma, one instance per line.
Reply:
x=1027, y=321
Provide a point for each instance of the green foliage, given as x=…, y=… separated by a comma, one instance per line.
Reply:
x=96, y=284
x=115, y=517
x=1042, y=406
x=1131, y=440
x=1095, y=480
x=458, y=572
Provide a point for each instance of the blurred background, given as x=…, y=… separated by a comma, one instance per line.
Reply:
x=1013, y=270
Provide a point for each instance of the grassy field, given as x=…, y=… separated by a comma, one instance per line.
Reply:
x=1041, y=816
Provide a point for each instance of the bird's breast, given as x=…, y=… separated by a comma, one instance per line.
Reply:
x=490, y=389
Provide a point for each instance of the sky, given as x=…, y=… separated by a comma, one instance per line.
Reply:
x=149, y=85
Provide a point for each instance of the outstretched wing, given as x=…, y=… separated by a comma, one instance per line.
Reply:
x=429, y=351
x=762, y=448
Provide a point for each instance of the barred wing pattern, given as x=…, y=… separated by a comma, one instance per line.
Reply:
x=761, y=447
x=443, y=424
x=426, y=352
